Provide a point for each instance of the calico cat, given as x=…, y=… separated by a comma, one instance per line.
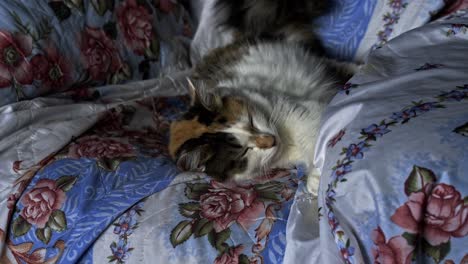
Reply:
x=256, y=103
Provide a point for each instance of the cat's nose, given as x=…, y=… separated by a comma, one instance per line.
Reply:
x=265, y=141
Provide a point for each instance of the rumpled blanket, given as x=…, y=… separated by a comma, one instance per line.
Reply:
x=393, y=155
x=86, y=178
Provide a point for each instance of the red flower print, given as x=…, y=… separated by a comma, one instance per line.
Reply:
x=410, y=215
x=41, y=201
x=395, y=251
x=52, y=69
x=135, y=23
x=14, y=49
x=446, y=215
x=97, y=147
x=226, y=203
x=230, y=257
x=332, y=142
x=442, y=210
x=99, y=54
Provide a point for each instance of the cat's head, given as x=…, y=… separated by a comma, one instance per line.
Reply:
x=226, y=136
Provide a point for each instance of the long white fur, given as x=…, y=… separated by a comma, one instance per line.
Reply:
x=287, y=91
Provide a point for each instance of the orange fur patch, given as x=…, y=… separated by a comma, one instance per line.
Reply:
x=184, y=130
x=232, y=109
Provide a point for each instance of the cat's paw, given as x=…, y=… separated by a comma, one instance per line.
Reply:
x=313, y=181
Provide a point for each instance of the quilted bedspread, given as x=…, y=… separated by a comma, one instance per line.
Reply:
x=91, y=182
x=393, y=153
x=86, y=178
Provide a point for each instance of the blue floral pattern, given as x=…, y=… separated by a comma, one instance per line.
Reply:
x=355, y=152
x=348, y=25
x=124, y=228
x=120, y=252
x=102, y=177
x=91, y=177
x=390, y=19
x=456, y=29
x=100, y=45
x=456, y=95
x=341, y=170
x=374, y=131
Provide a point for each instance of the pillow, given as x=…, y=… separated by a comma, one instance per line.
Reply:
x=352, y=28
x=51, y=46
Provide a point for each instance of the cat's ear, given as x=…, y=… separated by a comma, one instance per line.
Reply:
x=194, y=159
x=200, y=95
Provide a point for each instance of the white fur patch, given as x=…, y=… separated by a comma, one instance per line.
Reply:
x=287, y=91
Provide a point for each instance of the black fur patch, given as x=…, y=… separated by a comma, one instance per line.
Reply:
x=221, y=120
x=204, y=115
x=220, y=154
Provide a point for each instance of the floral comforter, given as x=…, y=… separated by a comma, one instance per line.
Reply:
x=86, y=178
x=53, y=46
x=393, y=153
x=85, y=175
x=91, y=182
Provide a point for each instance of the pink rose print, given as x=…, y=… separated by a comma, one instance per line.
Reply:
x=226, y=203
x=394, y=251
x=410, y=215
x=446, y=215
x=97, y=147
x=230, y=257
x=14, y=49
x=99, y=54
x=442, y=210
x=52, y=69
x=40, y=202
x=135, y=22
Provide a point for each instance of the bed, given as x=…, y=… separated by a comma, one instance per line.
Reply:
x=85, y=176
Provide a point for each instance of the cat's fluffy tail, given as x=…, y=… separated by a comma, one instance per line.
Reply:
x=289, y=20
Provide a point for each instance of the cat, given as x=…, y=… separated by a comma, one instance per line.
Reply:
x=256, y=103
